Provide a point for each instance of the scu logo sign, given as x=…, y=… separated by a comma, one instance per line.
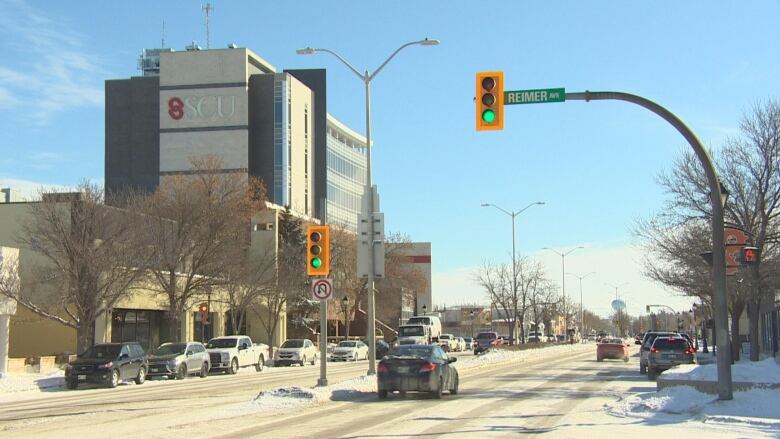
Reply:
x=210, y=107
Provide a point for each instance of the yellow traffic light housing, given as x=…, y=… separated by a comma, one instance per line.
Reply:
x=490, y=101
x=318, y=250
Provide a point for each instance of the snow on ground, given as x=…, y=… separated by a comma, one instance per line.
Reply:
x=365, y=386
x=744, y=371
x=758, y=408
x=36, y=382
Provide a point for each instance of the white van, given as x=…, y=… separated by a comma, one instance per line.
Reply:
x=432, y=322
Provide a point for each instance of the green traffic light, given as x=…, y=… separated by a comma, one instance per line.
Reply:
x=316, y=262
x=488, y=116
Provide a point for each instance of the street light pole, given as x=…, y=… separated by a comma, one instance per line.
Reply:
x=582, y=313
x=514, y=259
x=563, y=284
x=368, y=191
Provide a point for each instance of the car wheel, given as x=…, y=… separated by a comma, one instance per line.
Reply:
x=114, y=380
x=181, y=372
x=204, y=370
x=314, y=360
x=651, y=373
x=303, y=361
x=437, y=392
x=141, y=378
x=71, y=384
x=382, y=394
x=260, y=364
x=233, y=367
x=454, y=389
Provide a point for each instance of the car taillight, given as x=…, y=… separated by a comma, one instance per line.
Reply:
x=429, y=367
x=654, y=350
x=381, y=368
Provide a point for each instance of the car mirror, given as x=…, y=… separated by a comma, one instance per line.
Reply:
x=189, y=353
x=124, y=356
x=638, y=342
x=452, y=360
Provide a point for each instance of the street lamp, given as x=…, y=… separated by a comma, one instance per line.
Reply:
x=582, y=313
x=344, y=304
x=513, y=215
x=369, y=206
x=563, y=283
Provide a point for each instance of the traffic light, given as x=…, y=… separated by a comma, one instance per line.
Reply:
x=647, y=308
x=490, y=101
x=749, y=255
x=204, y=312
x=318, y=250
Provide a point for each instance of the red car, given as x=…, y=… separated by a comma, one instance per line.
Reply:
x=613, y=348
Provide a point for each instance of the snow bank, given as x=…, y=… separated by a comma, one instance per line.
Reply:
x=766, y=372
x=35, y=382
x=755, y=407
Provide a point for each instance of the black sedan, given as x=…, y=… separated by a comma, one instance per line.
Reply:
x=418, y=368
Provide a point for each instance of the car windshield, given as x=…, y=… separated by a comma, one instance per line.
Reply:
x=411, y=331
x=102, y=351
x=220, y=343
x=421, y=351
x=468, y=339
x=420, y=320
x=612, y=341
x=170, y=349
x=486, y=335
x=444, y=337
x=293, y=344
x=348, y=344
x=671, y=344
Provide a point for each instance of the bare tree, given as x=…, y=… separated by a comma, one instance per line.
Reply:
x=86, y=263
x=749, y=167
x=497, y=282
x=191, y=227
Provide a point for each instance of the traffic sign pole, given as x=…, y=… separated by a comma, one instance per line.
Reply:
x=322, y=290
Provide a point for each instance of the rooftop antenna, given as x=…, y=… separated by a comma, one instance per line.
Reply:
x=207, y=11
x=163, y=35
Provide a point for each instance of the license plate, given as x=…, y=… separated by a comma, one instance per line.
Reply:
x=82, y=377
x=155, y=369
x=403, y=369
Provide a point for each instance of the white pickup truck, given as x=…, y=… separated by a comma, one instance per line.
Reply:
x=230, y=352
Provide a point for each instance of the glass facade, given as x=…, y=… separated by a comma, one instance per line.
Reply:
x=282, y=143
x=149, y=328
x=346, y=164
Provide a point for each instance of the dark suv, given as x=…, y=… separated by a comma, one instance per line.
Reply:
x=647, y=343
x=107, y=364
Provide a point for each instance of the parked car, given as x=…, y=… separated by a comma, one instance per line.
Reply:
x=469, y=343
x=296, y=351
x=667, y=352
x=382, y=348
x=414, y=334
x=486, y=340
x=612, y=348
x=534, y=337
x=550, y=338
x=350, y=350
x=647, y=344
x=231, y=352
x=447, y=342
x=461, y=344
x=177, y=360
x=418, y=368
x=107, y=364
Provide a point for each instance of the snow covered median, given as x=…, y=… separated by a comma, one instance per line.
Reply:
x=756, y=407
x=760, y=372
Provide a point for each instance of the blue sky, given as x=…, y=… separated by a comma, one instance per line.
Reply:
x=594, y=164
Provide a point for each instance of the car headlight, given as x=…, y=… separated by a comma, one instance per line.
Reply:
x=172, y=363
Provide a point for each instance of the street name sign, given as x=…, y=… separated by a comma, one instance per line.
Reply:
x=537, y=96
x=322, y=289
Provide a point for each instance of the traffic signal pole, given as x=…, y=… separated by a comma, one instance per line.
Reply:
x=725, y=391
